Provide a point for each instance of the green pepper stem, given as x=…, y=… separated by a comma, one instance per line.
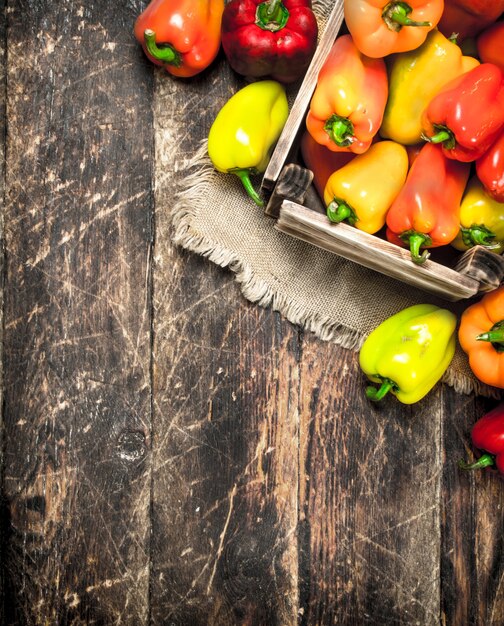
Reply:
x=415, y=241
x=339, y=211
x=375, y=394
x=164, y=53
x=494, y=336
x=478, y=234
x=244, y=176
x=395, y=15
x=340, y=130
x=485, y=460
x=443, y=135
x=271, y=15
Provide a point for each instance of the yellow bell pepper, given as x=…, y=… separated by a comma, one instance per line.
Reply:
x=409, y=352
x=246, y=129
x=415, y=77
x=481, y=220
x=362, y=191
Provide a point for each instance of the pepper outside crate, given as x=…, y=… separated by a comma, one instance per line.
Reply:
x=299, y=212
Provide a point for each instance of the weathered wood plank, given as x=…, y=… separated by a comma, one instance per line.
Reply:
x=369, y=500
x=473, y=519
x=3, y=101
x=77, y=315
x=225, y=415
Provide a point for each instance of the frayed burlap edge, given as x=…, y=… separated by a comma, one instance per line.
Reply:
x=191, y=190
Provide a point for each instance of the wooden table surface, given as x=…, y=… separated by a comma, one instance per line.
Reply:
x=171, y=453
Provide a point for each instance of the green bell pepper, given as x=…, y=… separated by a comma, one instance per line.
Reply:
x=408, y=353
x=245, y=130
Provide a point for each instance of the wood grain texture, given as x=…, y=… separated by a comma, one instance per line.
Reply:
x=369, y=498
x=3, y=101
x=172, y=454
x=225, y=407
x=77, y=316
x=473, y=519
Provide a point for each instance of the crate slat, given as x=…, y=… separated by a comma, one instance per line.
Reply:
x=373, y=253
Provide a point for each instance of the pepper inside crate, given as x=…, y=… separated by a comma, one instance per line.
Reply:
x=435, y=265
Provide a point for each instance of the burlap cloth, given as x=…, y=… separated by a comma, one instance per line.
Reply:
x=336, y=299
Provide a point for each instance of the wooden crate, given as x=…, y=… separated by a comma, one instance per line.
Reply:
x=298, y=211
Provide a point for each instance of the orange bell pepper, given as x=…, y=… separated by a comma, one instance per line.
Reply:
x=425, y=214
x=347, y=107
x=481, y=336
x=183, y=36
x=380, y=27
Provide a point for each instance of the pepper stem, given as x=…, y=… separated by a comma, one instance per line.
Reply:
x=164, y=52
x=395, y=16
x=478, y=234
x=375, y=394
x=244, y=176
x=485, y=460
x=340, y=130
x=495, y=336
x=271, y=15
x=443, y=135
x=415, y=241
x=339, y=211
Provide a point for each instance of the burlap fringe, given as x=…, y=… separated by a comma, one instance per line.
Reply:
x=201, y=173
x=193, y=188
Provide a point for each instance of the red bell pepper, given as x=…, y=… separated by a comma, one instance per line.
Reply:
x=490, y=44
x=321, y=161
x=183, y=36
x=271, y=38
x=425, y=214
x=487, y=434
x=490, y=169
x=467, y=115
x=467, y=18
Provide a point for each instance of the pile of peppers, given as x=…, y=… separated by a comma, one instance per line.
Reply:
x=405, y=138
x=404, y=135
x=400, y=76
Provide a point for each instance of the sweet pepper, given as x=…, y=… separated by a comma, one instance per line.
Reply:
x=425, y=214
x=487, y=435
x=409, y=352
x=362, y=191
x=271, y=38
x=321, y=161
x=347, y=106
x=414, y=79
x=490, y=169
x=481, y=220
x=245, y=130
x=490, y=44
x=481, y=336
x=467, y=18
x=183, y=36
x=467, y=115
x=380, y=27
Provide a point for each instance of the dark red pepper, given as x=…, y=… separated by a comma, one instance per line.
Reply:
x=488, y=435
x=467, y=115
x=274, y=39
x=468, y=18
x=490, y=44
x=490, y=169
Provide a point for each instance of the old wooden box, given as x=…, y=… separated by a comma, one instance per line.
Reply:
x=294, y=204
